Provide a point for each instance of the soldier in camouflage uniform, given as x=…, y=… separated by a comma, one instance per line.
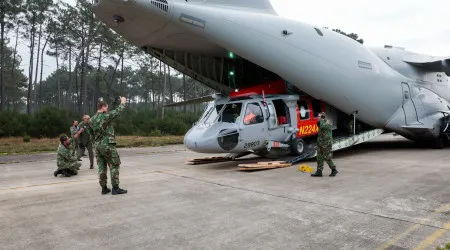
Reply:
x=85, y=141
x=100, y=127
x=74, y=145
x=66, y=162
x=324, y=146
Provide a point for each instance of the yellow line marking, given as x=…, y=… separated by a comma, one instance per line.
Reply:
x=416, y=226
x=400, y=236
x=433, y=237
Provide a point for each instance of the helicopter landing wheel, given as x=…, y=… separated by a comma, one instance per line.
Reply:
x=298, y=146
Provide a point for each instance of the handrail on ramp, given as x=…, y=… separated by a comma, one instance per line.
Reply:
x=341, y=144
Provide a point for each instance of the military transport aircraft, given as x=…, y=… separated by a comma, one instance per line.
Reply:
x=284, y=72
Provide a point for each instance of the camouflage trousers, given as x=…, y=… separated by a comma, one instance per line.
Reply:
x=74, y=147
x=71, y=166
x=107, y=155
x=324, y=154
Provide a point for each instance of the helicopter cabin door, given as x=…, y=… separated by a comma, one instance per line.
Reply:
x=253, y=127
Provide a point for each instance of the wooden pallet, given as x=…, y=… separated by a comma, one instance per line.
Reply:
x=264, y=165
x=206, y=160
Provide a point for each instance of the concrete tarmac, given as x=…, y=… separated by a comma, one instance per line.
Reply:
x=389, y=194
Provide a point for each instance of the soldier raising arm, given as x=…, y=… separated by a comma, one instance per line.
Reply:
x=100, y=127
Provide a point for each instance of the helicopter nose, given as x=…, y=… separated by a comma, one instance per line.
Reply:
x=216, y=139
x=201, y=140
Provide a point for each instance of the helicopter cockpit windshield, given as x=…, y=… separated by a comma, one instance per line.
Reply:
x=230, y=113
x=221, y=113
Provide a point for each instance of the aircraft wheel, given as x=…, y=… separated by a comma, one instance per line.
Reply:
x=298, y=146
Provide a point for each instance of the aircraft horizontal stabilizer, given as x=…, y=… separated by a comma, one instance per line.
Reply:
x=192, y=101
x=434, y=64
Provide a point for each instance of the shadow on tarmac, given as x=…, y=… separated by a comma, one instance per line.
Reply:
x=397, y=143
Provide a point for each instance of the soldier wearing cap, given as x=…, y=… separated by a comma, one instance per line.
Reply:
x=324, y=146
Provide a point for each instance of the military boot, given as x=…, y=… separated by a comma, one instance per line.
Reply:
x=318, y=173
x=117, y=190
x=92, y=167
x=57, y=172
x=333, y=172
x=105, y=190
x=67, y=173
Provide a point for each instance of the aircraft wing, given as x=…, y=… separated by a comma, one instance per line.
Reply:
x=431, y=63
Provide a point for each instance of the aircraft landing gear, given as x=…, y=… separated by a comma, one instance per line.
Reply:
x=298, y=146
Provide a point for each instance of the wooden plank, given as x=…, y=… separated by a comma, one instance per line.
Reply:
x=206, y=160
x=259, y=166
x=270, y=162
x=264, y=165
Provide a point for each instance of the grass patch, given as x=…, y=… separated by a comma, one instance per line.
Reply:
x=142, y=141
x=446, y=247
x=16, y=145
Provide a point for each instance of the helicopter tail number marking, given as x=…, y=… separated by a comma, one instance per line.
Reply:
x=308, y=129
x=251, y=144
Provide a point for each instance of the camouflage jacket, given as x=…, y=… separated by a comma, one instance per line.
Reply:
x=84, y=137
x=64, y=159
x=73, y=131
x=100, y=126
x=325, y=136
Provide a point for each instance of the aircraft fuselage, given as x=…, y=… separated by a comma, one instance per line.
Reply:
x=326, y=65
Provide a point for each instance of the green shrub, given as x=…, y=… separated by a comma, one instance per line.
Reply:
x=13, y=124
x=26, y=138
x=155, y=132
x=52, y=122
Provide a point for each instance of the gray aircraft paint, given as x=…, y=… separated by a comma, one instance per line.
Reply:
x=323, y=63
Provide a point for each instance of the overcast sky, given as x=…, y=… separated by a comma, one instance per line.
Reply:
x=417, y=25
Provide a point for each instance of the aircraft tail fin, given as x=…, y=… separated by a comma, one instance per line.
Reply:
x=257, y=5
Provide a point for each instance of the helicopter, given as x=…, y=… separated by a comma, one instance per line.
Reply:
x=268, y=119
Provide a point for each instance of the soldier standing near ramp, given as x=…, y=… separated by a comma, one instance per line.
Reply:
x=324, y=146
x=100, y=127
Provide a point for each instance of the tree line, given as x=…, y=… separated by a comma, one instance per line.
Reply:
x=92, y=62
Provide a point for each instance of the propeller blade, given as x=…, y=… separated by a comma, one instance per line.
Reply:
x=192, y=101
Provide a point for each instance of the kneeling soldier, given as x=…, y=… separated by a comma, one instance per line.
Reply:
x=67, y=163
